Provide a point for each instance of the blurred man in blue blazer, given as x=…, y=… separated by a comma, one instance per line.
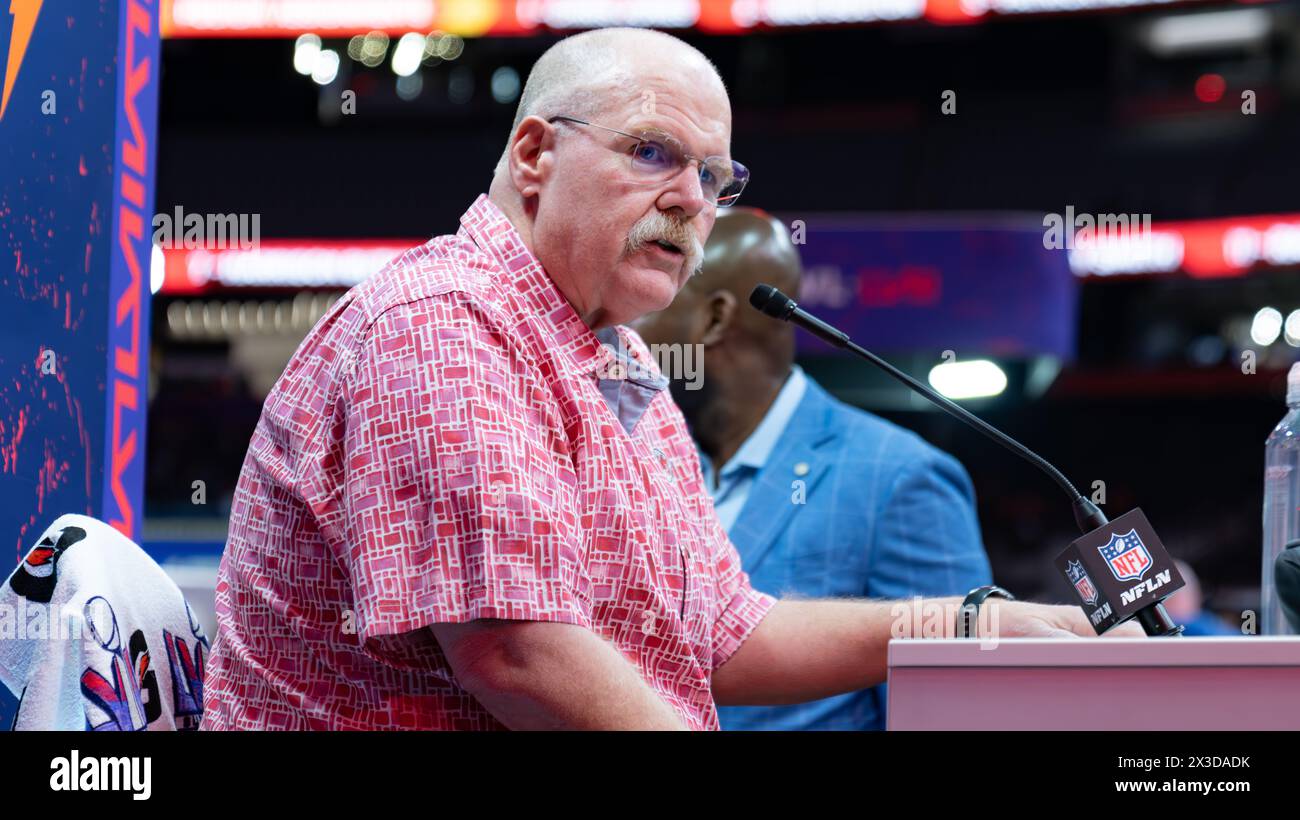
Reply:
x=821, y=499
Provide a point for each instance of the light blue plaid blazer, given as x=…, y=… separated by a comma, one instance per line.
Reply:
x=885, y=515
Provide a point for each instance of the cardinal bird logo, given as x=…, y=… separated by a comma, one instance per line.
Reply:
x=36, y=577
x=24, y=13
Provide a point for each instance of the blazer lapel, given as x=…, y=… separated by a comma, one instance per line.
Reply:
x=772, y=499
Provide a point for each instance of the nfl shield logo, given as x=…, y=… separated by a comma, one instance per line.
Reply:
x=1082, y=583
x=1126, y=556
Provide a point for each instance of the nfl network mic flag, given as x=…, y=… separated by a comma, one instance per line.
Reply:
x=1119, y=569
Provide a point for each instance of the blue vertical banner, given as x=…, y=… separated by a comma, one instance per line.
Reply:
x=136, y=147
x=78, y=137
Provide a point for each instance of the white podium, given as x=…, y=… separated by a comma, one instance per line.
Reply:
x=1105, y=684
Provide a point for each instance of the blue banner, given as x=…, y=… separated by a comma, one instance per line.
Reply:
x=77, y=142
x=136, y=147
x=977, y=287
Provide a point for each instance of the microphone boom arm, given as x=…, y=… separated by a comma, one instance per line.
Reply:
x=776, y=304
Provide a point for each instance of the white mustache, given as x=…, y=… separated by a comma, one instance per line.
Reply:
x=655, y=226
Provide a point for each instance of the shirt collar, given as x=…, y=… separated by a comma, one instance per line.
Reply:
x=625, y=372
x=633, y=380
x=760, y=444
x=580, y=351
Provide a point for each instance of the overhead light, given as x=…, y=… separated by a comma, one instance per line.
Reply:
x=1291, y=329
x=326, y=68
x=432, y=48
x=505, y=84
x=1209, y=88
x=157, y=269
x=407, y=54
x=1208, y=31
x=1206, y=351
x=974, y=379
x=305, y=50
x=373, y=48
x=355, y=46
x=1266, y=326
x=409, y=87
x=450, y=47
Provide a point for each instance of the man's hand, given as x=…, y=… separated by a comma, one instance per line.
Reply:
x=1021, y=619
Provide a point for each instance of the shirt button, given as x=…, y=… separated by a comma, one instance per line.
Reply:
x=801, y=468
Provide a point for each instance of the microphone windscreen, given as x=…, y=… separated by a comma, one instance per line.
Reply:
x=1286, y=574
x=769, y=300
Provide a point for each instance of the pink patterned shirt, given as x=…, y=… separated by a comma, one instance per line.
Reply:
x=445, y=445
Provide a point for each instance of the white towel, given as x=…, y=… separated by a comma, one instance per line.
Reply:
x=94, y=635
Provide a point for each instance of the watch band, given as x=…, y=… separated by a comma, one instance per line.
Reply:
x=968, y=614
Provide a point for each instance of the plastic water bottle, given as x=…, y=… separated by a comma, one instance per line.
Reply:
x=1281, y=502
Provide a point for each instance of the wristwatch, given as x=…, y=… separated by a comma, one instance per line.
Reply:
x=968, y=615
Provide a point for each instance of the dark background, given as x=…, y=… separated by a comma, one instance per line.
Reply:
x=1051, y=112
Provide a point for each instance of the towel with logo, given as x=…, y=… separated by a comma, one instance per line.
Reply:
x=95, y=636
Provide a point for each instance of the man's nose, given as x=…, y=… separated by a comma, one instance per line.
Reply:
x=686, y=191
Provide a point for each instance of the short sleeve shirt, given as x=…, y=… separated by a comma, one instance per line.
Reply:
x=451, y=442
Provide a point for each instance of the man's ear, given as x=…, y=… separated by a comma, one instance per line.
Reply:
x=721, y=305
x=529, y=158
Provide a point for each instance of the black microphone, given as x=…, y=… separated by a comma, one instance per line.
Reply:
x=1286, y=576
x=1131, y=538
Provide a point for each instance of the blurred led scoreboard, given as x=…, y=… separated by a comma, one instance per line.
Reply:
x=472, y=18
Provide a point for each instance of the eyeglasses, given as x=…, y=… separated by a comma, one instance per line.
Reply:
x=658, y=157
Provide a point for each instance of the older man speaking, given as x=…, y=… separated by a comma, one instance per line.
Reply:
x=466, y=507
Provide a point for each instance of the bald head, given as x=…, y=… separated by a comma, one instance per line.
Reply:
x=584, y=74
x=749, y=247
x=747, y=355
x=618, y=233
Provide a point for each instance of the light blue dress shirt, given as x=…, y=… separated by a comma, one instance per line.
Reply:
x=731, y=490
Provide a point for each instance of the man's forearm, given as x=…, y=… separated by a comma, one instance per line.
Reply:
x=552, y=676
x=806, y=650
